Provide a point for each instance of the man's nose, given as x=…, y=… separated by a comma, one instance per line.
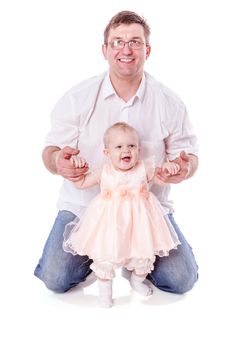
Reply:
x=126, y=49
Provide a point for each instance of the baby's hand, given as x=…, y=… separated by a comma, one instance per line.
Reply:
x=170, y=168
x=78, y=161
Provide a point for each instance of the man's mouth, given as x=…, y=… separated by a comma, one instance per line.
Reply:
x=126, y=60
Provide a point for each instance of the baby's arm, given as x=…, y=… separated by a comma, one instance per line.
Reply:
x=78, y=161
x=168, y=168
x=89, y=179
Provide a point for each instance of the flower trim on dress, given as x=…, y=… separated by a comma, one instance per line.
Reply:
x=125, y=193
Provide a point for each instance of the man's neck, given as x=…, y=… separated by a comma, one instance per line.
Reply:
x=125, y=87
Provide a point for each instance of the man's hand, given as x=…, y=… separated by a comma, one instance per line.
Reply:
x=188, y=164
x=66, y=168
x=58, y=161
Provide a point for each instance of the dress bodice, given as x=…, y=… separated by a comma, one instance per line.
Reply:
x=132, y=180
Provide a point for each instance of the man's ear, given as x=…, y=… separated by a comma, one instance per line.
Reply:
x=148, y=51
x=106, y=152
x=104, y=51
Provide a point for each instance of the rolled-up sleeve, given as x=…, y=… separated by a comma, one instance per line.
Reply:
x=64, y=126
x=181, y=135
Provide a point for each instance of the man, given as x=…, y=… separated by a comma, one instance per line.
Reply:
x=124, y=93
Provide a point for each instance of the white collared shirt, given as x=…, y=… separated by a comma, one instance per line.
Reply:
x=82, y=115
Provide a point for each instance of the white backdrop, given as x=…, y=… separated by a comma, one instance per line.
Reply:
x=48, y=46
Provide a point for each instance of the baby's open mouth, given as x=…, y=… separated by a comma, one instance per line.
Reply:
x=126, y=159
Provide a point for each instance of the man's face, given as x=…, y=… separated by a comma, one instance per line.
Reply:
x=126, y=62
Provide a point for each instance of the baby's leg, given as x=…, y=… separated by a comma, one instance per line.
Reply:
x=137, y=283
x=140, y=269
x=105, y=292
x=105, y=272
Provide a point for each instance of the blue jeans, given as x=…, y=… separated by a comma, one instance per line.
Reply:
x=61, y=271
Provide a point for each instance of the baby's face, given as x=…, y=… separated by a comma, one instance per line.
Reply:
x=123, y=149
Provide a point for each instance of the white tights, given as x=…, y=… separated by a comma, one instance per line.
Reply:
x=105, y=293
x=136, y=282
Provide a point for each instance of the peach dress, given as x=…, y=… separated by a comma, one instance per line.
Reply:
x=125, y=225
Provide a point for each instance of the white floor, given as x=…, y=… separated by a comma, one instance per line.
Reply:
x=35, y=318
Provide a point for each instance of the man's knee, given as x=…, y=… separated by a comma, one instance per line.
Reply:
x=59, y=278
x=56, y=286
x=183, y=284
x=178, y=283
x=54, y=282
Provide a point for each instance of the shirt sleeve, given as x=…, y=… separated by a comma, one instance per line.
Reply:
x=64, y=127
x=181, y=136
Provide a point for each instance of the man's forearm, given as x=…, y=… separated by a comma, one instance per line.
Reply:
x=49, y=158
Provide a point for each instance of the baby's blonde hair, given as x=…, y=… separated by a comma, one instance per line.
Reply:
x=118, y=126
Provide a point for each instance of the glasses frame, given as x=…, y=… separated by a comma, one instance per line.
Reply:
x=130, y=43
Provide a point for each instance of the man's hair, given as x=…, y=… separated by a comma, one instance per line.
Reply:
x=117, y=126
x=127, y=17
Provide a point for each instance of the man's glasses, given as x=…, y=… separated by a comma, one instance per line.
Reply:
x=120, y=44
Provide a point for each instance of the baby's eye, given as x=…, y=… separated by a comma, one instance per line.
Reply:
x=119, y=146
x=132, y=146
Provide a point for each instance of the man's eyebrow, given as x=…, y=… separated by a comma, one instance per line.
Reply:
x=120, y=37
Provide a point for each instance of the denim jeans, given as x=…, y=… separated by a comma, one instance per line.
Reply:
x=61, y=271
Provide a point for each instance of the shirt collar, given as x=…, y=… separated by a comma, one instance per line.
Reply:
x=141, y=90
x=108, y=89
